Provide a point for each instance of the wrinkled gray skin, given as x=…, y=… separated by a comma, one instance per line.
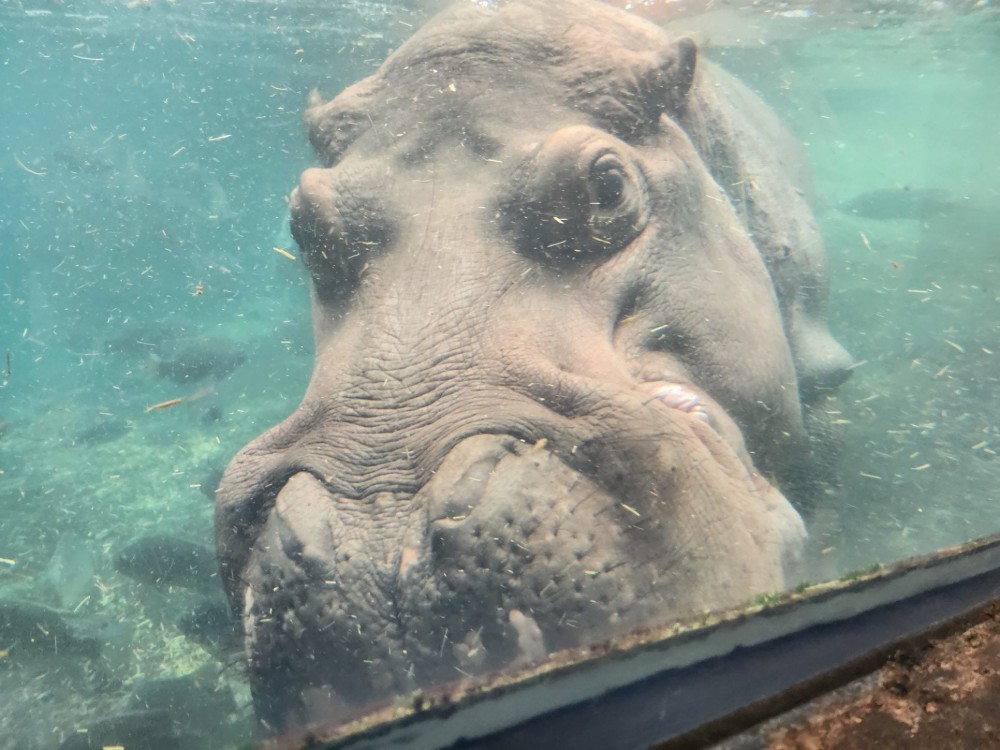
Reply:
x=569, y=320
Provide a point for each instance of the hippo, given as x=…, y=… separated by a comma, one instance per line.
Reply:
x=569, y=309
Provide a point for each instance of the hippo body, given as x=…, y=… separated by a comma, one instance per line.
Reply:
x=568, y=305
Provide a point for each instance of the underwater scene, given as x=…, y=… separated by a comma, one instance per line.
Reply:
x=155, y=319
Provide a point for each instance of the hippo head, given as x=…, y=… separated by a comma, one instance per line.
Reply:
x=568, y=312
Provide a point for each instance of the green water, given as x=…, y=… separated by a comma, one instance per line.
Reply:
x=145, y=155
x=916, y=291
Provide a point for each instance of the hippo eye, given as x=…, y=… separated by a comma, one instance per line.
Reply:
x=607, y=183
x=579, y=195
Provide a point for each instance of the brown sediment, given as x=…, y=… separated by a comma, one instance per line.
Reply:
x=943, y=694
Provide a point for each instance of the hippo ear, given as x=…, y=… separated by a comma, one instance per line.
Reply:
x=334, y=125
x=668, y=84
x=629, y=99
x=687, y=60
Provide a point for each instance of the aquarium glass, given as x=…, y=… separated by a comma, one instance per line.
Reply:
x=155, y=314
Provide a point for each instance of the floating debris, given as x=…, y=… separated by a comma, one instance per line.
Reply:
x=164, y=404
x=29, y=170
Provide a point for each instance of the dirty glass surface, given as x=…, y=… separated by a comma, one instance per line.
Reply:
x=154, y=318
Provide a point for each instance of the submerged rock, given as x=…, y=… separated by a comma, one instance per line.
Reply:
x=105, y=431
x=901, y=203
x=136, y=730
x=69, y=577
x=189, y=712
x=165, y=560
x=210, y=624
x=192, y=699
x=147, y=338
x=211, y=476
x=211, y=415
x=193, y=360
x=31, y=629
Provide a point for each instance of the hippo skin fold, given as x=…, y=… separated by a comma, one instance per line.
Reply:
x=569, y=315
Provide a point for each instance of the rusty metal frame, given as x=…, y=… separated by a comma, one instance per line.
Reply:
x=692, y=682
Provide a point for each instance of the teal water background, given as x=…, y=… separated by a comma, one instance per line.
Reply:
x=145, y=156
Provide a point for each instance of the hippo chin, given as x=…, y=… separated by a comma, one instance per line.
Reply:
x=569, y=317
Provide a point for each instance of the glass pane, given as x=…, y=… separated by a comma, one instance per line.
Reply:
x=619, y=315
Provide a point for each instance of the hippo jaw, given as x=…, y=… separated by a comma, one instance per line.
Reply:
x=552, y=370
x=512, y=549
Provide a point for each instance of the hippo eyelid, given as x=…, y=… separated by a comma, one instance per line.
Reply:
x=609, y=181
x=616, y=184
x=578, y=194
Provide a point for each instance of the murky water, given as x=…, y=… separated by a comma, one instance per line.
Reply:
x=152, y=319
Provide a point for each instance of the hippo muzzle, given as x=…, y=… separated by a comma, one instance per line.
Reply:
x=557, y=380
